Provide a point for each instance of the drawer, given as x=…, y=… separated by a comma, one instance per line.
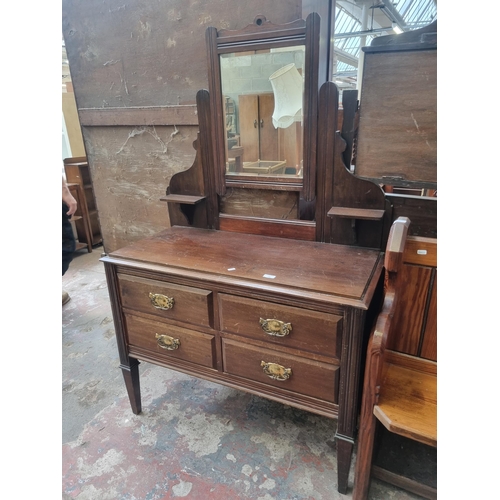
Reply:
x=195, y=347
x=308, y=377
x=312, y=331
x=190, y=305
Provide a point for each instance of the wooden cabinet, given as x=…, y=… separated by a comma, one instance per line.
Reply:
x=258, y=137
x=83, y=222
x=211, y=304
x=87, y=223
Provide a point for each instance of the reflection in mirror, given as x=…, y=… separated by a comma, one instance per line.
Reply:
x=263, y=99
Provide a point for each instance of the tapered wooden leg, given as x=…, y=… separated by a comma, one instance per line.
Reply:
x=131, y=376
x=364, y=457
x=344, y=454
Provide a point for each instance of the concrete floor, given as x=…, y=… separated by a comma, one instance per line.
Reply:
x=194, y=439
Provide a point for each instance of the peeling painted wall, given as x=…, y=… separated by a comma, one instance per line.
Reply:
x=131, y=167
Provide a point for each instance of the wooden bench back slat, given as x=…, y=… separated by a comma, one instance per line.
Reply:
x=411, y=362
x=415, y=318
x=429, y=341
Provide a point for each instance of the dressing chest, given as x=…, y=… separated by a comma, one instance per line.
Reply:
x=280, y=318
x=265, y=281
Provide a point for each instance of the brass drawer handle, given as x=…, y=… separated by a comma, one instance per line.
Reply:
x=162, y=302
x=166, y=342
x=275, y=327
x=275, y=371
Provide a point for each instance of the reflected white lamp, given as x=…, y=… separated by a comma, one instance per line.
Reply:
x=288, y=89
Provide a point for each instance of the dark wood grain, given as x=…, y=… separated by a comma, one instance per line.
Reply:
x=310, y=330
x=397, y=136
x=340, y=193
x=308, y=377
x=195, y=347
x=428, y=348
x=261, y=203
x=312, y=84
x=294, y=229
x=192, y=305
x=345, y=271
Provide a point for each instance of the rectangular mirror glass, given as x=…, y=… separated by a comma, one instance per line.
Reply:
x=263, y=96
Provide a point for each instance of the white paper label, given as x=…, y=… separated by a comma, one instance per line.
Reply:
x=270, y=276
x=421, y=252
x=232, y=269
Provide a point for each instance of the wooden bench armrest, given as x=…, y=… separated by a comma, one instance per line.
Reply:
x=393, y=262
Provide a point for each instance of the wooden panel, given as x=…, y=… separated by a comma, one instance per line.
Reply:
x=194, y=347
x=267, y=133
x=344, y=272
x=397, y=137
x=429, y=343
x=153, y=53
x=153, y=115
x=408, y=318
x=421, y=210
x=312, y=378
x=294, y=229
x=421, y=251
x=131, y=168
x=249, y=126
x=290, y=145
x=310, y=331
x=191, y=305
x=270, y=204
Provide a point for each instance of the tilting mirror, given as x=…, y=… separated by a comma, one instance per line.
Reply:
x=263, y=82
x=263, y=92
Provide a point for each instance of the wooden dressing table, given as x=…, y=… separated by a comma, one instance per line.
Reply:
x=286, y=323
x=269, y=305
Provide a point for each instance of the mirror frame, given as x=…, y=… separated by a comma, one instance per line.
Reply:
x=262, y=34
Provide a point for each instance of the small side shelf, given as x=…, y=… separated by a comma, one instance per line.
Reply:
x=356, y=213
x=182, y=198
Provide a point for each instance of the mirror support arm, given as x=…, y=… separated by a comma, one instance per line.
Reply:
x=216, y=106
x=311, y=86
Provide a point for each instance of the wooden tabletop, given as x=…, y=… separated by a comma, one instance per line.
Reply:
x=278, y=262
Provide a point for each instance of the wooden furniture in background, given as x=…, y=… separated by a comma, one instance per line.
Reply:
x=391, y=133
x=398, y=110
x=258, y=137
x=400, y=386
x=80, y=215
x=88, y=229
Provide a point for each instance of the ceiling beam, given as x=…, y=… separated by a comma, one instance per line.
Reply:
x=345, y=57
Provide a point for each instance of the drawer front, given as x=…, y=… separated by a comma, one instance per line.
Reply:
x=171, y=341
x=189, y=305
x=297, y=328
x=304, y=376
